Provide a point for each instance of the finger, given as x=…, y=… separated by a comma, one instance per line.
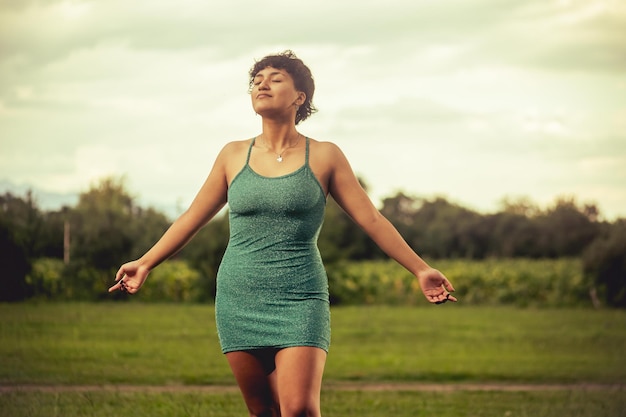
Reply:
x=448, y=286
x=432, y=298
x=115, y=287
x=438, y=299
x=120, y=274
x=442, y=298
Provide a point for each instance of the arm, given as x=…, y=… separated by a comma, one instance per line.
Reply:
x=207, y=203
x=346, y=190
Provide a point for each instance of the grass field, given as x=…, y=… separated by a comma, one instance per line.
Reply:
x=120, y=344
x=334, y=404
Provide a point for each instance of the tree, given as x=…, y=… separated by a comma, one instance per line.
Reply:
x=107, y=229
x=14, y=264
x=204, y=253
x=102, y=225
x=147, y=226
x=605, y=262
x=444, y=229
x=401, y=210
x=566, y=229
x=21, y=227
x=512, y=235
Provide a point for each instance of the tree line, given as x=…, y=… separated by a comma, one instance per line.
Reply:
x=76, y=250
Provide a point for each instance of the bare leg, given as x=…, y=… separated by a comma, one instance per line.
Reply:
x=299, y=372
x=255, y=375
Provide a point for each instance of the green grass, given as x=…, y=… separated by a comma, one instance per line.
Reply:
x=81, y=343
x=173, y=344
x=133, y=343
x=456, y=343
x=334, y=403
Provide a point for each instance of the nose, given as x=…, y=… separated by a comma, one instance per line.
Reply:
x=264, y=84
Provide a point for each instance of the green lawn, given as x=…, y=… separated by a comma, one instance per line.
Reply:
x=334, y=404
x=170, y=344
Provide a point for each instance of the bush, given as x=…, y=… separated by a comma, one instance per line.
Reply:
x=46, y=278
x=519, y=282
x=173, y=280
x=83, y=282
x=14, y=267
x=604, y=262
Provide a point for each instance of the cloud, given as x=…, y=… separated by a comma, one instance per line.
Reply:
x=441, y=93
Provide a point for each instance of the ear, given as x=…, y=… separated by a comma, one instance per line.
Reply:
x=300, y=99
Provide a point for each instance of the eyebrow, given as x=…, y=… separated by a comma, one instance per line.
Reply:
x=270, y=74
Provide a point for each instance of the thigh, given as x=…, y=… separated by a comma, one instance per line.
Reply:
x=253, y=372
x=299, y=372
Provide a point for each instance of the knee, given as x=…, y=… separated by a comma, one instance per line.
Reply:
x=266, y=412
x=263, y=409
x=299, y=409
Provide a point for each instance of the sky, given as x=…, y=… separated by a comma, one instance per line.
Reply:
x=471, y=100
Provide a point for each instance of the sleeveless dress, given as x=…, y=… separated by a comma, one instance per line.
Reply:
x=272, y=288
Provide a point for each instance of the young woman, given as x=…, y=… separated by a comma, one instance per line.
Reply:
x=272, y=304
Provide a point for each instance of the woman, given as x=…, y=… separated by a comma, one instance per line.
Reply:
x=272, y=308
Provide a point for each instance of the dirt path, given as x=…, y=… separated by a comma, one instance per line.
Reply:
x=330, y=386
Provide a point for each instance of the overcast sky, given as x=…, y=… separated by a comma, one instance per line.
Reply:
x=473, y=100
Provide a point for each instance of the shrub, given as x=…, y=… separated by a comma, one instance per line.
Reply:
x=604, y=262
x=46, y=278
x=173, y=280
x=520, y=282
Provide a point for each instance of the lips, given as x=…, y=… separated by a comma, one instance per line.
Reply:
x=263, y=96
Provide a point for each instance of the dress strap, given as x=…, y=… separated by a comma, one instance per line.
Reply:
x=306, y=154
x=250, y=150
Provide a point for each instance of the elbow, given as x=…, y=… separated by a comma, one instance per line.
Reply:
x=372, y=221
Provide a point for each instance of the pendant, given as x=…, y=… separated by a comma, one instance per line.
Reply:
x=280, y=158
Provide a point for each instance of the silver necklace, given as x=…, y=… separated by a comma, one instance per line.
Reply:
x=279, y=156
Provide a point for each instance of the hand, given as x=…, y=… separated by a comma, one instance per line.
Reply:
x=435, y=286
x=130, y=277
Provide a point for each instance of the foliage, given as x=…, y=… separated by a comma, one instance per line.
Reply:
x=107, y=228
x=172, y=281
x=24, y=235
x=82, y=281
x=14, y=265
x=441, y=229
x=204, y=254
x=605, y=261
x=520, y=282
x=341, y=239
x=46, y=278
x=103, y=225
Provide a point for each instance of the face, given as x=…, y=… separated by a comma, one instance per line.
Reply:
x=273, y=91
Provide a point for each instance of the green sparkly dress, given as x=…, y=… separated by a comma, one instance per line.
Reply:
x=272, y=289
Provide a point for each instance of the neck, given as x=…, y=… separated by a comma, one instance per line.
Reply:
x=278, y=136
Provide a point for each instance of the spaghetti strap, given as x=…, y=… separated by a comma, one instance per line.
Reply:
x=250, y=150
x=306, y=154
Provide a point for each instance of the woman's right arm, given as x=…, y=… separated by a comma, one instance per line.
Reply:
x=208, y=202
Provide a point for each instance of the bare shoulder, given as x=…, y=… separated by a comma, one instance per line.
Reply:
x=232, y=157
x=234, y=147
x=326, y=150
x=327, y=160
x=233, y=151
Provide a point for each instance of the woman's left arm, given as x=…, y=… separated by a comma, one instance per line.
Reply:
x=352, y=198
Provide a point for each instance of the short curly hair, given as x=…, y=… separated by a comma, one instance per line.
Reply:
x=301, y=74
